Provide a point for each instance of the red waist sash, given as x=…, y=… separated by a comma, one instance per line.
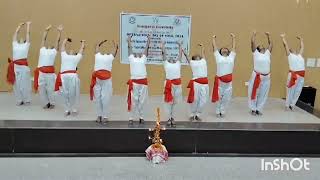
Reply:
x=130, y=88
x=203, y=80
x=59, y=81
x=11, y=76
x=168, y=97
x=43, y=69
x=215, y=93
x=100, y=74
x=294, y=77
x=256, y=84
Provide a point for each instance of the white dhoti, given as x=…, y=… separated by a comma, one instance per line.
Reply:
x=225, y=95
x=294, y=92
x=139, y=95
x=46, y=87
x=102, y=96
x=22, y=87
x=176, y=91
x=70, y=91
x=201, y=96
x=258, y=103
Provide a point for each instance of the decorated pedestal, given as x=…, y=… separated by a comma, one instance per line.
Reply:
x=157, y=152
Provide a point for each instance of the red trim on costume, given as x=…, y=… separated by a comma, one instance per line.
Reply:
x=256, y=84
x=43, y=69
x=59, y=81
x=294, y=77
x=11, y=76
x=130, y=88
x=100, y=74
x=168, y=97
x=215, y=93
x=203, y=80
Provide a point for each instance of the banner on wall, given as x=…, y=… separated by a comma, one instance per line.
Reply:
x=167, y=28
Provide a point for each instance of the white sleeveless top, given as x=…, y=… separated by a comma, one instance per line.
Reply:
x=296, y=62
x=262, y=61
x=20, y=50
x=103, y=62
x=173, y=70
x=224, y=64
x=47, y=57
x=69, y=62
x=199, y=68
x=138, y=67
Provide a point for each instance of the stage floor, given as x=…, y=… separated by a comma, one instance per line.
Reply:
x=274, y=111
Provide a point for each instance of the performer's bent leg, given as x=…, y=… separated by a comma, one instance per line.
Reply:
x=75, y=95
x=263, y=92
x=142, y=99
x=17, y=87
x=297, y=90
x=203, y=94
x=65, y=92
x=252, y=103
x=106, y=97
x=97, y=98
x=50, y=82
x=226, y=96
x=43, y=89
x=135, y=101
x=290, y=92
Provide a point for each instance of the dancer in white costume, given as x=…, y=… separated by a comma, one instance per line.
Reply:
x=44, y=75
x=172, y=87
x=259, y=83
x=68, y=78
x=296, y=72
x=101, y=81
x=199, y=88
x=222, y=90
x=18, y=73
x=138, y=83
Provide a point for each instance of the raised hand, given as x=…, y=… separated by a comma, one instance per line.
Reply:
x=267, y=33
x=60, y=28
x=232, y=35
x=214, y=36
x=283, y=35
x=49, y=27
x=129, y=38
x=299, y=37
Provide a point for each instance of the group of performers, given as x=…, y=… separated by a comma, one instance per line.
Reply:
x=67, y=81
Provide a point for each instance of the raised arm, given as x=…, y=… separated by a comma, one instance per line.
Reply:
x=233, y=42
x=180, y=51
x=185, y=55
x=60, y=29
x=163, y=50
x=301, y=44
x=44, y=36
x=28, y=31
x=253, y=41
x=115, y=48
x=214, y=43
x=100, y=44
x=146, y=50
x=285, y=44
x=82, y=46
x=202, y=51
x=15, y=35
x=63, y=46
x=129, y=45
x=269, y=41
